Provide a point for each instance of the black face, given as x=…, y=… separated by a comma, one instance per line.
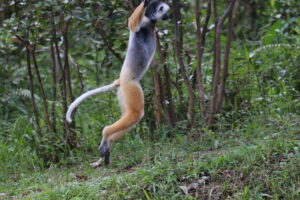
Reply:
x=156, y=10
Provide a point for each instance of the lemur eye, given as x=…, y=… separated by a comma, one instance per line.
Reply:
x=161, y=9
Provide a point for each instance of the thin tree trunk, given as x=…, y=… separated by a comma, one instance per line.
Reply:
x=41, y=87
x=16, y=8
x=106, y=65
x=217, y=61
x=62, y=79
x=31, y=50
x=3, y=5
x=201, y=36
x=226, y=63
x=216, y=18
x=170, y=105
x=31, y=88
x=158, y=95
x=205, y=27
x=177, y=82
x=54, y=84
x=64, y=31
x=81, y=85
x=97, y=65
x=178, y=49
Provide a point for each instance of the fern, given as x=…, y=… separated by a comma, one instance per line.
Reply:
x=25, y=93
x=271, y=46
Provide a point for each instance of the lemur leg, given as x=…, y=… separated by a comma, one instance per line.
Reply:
x=123, y=109
x=133, y=102
x=121, y=101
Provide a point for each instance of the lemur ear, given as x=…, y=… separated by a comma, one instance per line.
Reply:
x=146, y=2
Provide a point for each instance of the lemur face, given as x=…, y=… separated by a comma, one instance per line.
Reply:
x=156, y=10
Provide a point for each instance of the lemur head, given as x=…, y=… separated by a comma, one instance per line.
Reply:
x=156, y=10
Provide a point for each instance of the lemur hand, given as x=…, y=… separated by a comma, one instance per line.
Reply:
x=117, y=82
x=146, y=2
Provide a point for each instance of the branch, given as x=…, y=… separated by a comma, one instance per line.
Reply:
x=107, y=44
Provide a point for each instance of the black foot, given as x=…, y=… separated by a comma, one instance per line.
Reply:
x=103, y=149
x=106, y=158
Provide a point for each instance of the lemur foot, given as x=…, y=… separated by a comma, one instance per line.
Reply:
x=106, y=158
x=104, y=148
x=99, y=162
x=104, y=151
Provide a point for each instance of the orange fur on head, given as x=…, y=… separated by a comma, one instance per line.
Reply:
x=136, y=17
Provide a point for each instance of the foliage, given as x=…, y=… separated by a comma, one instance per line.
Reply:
x=250, y=152
x=257, y=159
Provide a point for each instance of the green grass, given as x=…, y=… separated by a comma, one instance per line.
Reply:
x=259, y=160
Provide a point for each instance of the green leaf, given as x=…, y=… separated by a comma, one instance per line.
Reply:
x=146, y=194
x=272, y=33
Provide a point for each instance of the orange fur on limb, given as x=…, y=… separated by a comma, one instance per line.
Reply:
x=132, y=101
x=136, y=18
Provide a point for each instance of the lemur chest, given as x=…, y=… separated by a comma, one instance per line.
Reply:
x=140, y=52
x=144, y=43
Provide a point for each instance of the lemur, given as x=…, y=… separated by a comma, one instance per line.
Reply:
x=140, y=52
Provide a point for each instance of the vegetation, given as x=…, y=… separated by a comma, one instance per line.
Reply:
x=222, y=101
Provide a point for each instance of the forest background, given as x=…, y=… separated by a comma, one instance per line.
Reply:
x=222, y=100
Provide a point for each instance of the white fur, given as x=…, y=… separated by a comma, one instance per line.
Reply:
x=145, y=20
x=159, y=13
x=85, y=96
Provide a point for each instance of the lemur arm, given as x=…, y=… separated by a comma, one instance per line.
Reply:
x=136, y=17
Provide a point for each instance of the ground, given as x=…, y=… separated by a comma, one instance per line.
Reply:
x=259, y=160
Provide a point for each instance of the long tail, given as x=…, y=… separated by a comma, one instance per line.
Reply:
x=87, y=95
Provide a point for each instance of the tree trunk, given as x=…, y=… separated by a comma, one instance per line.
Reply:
x=62, y=81
x=41, y=87
x=31, y=50
x=201, y=36
x=54, y=84
x=217, y=61
x=3, y=5
x=97, y=65
x=77, y=66
x=226, y=63
x=178, y=50
x=158, y=95
x=31, y=88
x=64, y=31
x=170, y=105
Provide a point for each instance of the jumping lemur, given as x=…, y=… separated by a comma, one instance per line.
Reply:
x=141, y=48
